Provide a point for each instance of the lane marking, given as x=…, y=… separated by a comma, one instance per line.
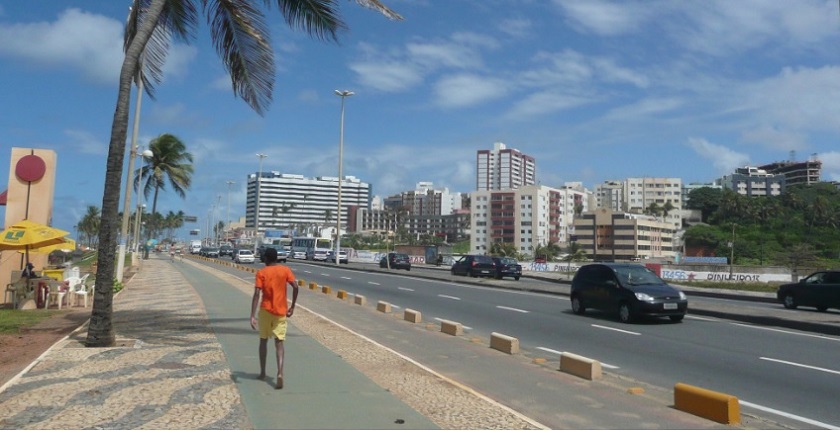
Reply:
x=512, y=309
x=617, y=330
x=325, y=275
x=810, y=367
x=450, y=297
x=787, y=332
x=346, y=278
x=546, y=349
x=462, y=325
x=706, y=319
x=405, y=288
x=373, y=283
x=789, y=415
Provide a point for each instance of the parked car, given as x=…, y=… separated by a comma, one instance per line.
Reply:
x=820, y=289
x=342, y=256
x=211, y=252
x=395, y=261
x=226, y=250
x=244, y=256
x=507, y=267
x=474, y=265
x=630, y=289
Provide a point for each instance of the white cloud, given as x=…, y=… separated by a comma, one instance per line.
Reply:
x=830, y=165
x=387, y=76
x=86, y=143
x=723, y=159
x=545, y=102
x=88, y=42
x=516, y=27
x=607, y=18
x=646, y=107
x=468, y=90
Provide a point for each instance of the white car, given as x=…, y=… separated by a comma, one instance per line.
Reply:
x=342, y=256
x=319, y=254
x=244, y=256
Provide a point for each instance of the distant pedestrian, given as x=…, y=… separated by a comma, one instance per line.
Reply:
x=271, y=282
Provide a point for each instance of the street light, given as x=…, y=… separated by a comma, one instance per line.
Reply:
x=146, y=154
x=229, y=183
x=257, y=206
x=128, y=183
x=343, y=94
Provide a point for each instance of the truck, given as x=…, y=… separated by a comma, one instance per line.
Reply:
x=195, y=246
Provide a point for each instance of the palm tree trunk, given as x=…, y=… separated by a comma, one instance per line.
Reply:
x=101, y=328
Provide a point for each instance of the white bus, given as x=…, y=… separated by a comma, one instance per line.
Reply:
x=305, y=246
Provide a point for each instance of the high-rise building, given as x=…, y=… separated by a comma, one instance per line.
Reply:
x=503, y=169
x=299, y=204
x=751, y=181
x=641, y=193
x=796, y=173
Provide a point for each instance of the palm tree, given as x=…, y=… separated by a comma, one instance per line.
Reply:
x=170, y=163
x=89, y=224
x=241, y=39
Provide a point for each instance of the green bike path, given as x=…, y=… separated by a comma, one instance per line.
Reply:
x=321, y=391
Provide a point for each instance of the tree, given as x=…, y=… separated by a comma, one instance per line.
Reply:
x=705, y=199
x=170, y=164
x=89, y=225
x=574, y=252
x=241, y=39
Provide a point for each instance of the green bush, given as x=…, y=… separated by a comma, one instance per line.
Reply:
x=117, y=286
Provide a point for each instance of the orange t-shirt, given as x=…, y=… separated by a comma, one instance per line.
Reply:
x=272, y=280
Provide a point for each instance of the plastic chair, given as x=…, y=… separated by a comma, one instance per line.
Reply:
x=56, y=295
x=80, y=289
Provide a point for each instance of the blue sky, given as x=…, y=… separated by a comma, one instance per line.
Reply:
x=595, y=90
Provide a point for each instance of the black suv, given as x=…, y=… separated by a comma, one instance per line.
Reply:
x=820, y=289
x=226, y=250
x=396, y=261
x=507, y=267
x=474, y=265
x=630, y=289
x=211, y=252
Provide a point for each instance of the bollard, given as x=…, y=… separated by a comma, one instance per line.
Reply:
x=342, y=294
x=504, y=343
x=412, y=315
x=716, y=406
x=326, y=290
x=451, y=328
x=383, y=307
x=580, y=366
x=359, y=300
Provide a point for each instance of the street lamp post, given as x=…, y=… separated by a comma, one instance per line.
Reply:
x=343, y=94
x=229, y=183
x=146, y=154
x=257, y=206
x=128, y=184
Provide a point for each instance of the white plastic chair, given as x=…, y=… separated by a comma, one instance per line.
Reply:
x=81, y=290
x=59, y=290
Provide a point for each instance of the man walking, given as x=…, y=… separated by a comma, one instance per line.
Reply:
x=271, y=281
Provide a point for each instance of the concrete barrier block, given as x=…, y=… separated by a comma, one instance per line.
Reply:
x=301, y=283
x=383, y=306
x=359, y=300
x=412, y=316
x=313, y=285
x=715, y=406
x=580, y=366
x=504, y=343
x=326, y=290
x=342, y=294
x=451, y=328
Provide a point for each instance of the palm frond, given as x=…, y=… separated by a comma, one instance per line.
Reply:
x=318, y=18
x=381, y=8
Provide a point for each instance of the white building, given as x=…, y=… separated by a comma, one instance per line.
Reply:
x=640, y=193
x=299, y=204
x=502, y=169
x=752, y=181
x=526, y=217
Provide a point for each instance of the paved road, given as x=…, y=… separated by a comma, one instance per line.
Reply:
x=186, y=358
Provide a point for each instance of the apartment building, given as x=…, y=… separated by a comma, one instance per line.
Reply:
x=751, y=181
x=504, y=168
x=526, y=217
x=640, y=193
x=425, y=200
x=609, y=235
x=610, y=194
x=449, y=227
x=294, y=202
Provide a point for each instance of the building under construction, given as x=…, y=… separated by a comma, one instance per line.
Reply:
x=796, y=173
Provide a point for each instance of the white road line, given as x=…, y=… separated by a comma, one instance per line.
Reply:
x=325, y=275
x=789, y=415
x=787, y=332
x=810, y=367
x=546, y=349
x=440, y=320
x=512, y=309
x=346, y=278
x=450, y=297
x=405, y=288
x=373, y=282
x=617, y=330
x=707, y=319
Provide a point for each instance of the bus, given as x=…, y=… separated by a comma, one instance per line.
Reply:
x=302, y=247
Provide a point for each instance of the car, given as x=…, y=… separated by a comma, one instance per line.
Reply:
x=820, y=290
x=211, y=252
x=342, y=256
x=244, y=256
x=317, y=254
x=474, y=265
x=395, y=261
x=631, y=290
x=226, y=250
x=298, y=254
x=507, y=267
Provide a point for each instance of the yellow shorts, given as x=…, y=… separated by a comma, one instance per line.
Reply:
x=271, y=324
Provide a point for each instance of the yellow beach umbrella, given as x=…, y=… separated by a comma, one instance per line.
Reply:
x=27, y=235
x=67, y=245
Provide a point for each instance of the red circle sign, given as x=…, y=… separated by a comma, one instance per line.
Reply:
x=30, y=168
